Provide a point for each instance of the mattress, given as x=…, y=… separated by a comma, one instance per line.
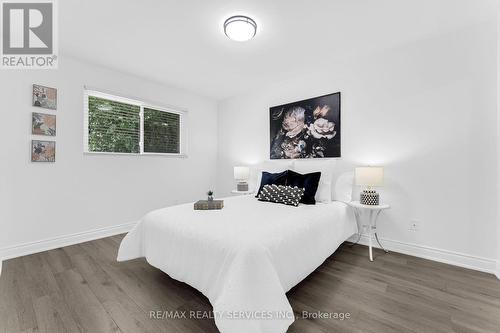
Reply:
x=245, y=257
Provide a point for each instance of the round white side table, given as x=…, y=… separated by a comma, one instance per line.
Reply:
x=370, y=225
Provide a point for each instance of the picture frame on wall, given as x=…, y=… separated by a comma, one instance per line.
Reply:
x=43, y=124
x=43, y=151
x=44, y=97
x=310, y=128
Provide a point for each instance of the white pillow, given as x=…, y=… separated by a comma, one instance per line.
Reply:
x=326, y=167
x=268, y=166
x=342, y=187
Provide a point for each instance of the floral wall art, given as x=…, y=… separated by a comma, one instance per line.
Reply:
x=306, y=129
x=43, y=124
x=44, y=97
x=43, y=151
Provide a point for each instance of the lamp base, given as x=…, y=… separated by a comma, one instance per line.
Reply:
x=369, y=197
x=242, y=187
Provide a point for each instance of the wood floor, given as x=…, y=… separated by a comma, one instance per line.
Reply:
x=82, y=288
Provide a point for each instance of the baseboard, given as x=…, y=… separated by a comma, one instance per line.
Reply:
x=426, y=252
x=449, y=257
x=57, y=242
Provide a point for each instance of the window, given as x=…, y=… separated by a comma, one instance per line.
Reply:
x=120, y=125
x=161, y=131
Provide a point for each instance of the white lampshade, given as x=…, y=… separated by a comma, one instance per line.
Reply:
x=370, y=176
x=241, y=173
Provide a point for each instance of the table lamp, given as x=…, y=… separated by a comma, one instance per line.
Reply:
x=241, y=175
x=369, y=177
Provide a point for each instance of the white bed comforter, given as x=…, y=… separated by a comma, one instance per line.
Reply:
x=245, y=257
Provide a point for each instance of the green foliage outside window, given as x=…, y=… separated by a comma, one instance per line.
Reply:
x=161, y=132
x=113, y=126
x=116, y=127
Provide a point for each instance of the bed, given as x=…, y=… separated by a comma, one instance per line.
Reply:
x=245, y=257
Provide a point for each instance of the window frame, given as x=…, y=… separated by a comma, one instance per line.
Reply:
x=142, y=105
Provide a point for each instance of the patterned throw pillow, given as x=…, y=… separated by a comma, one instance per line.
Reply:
x=281, y=194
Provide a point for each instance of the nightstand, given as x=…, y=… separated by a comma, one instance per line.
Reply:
x=371, y=224
x=242, y=192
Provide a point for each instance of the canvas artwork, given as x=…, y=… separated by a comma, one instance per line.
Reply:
x=43, y=151
x=306, y=129
x=44, y=97
x=43, y=124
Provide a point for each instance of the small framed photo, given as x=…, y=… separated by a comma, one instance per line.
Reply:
x=43, y=124
x=43, y=151
x=44, y=97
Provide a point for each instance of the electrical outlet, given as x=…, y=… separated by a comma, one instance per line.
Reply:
x=414, y=225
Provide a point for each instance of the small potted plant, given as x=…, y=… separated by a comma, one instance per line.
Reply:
x=210, y=194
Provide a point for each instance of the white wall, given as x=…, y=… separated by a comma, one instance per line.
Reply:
x=425, y=110
x=82, y=192
x=498, y=149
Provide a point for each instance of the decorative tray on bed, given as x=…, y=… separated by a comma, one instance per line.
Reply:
x=208, y=205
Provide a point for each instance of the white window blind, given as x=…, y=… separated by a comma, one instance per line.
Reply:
x=161, y=131
x=121, y=125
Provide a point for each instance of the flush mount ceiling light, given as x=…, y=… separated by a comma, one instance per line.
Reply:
x=240, y=28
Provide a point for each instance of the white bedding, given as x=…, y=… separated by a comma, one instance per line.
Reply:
x=245, y=257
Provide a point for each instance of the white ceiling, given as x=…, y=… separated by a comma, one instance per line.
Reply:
x=181, y=43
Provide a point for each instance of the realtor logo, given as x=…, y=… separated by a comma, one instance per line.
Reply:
x=29, y=32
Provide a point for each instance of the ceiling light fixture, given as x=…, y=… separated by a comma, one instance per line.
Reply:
x=240, y=28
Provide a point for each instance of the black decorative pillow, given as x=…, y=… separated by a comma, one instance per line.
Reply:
x=272, y=179
x=309, y=182
x=281, y=194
